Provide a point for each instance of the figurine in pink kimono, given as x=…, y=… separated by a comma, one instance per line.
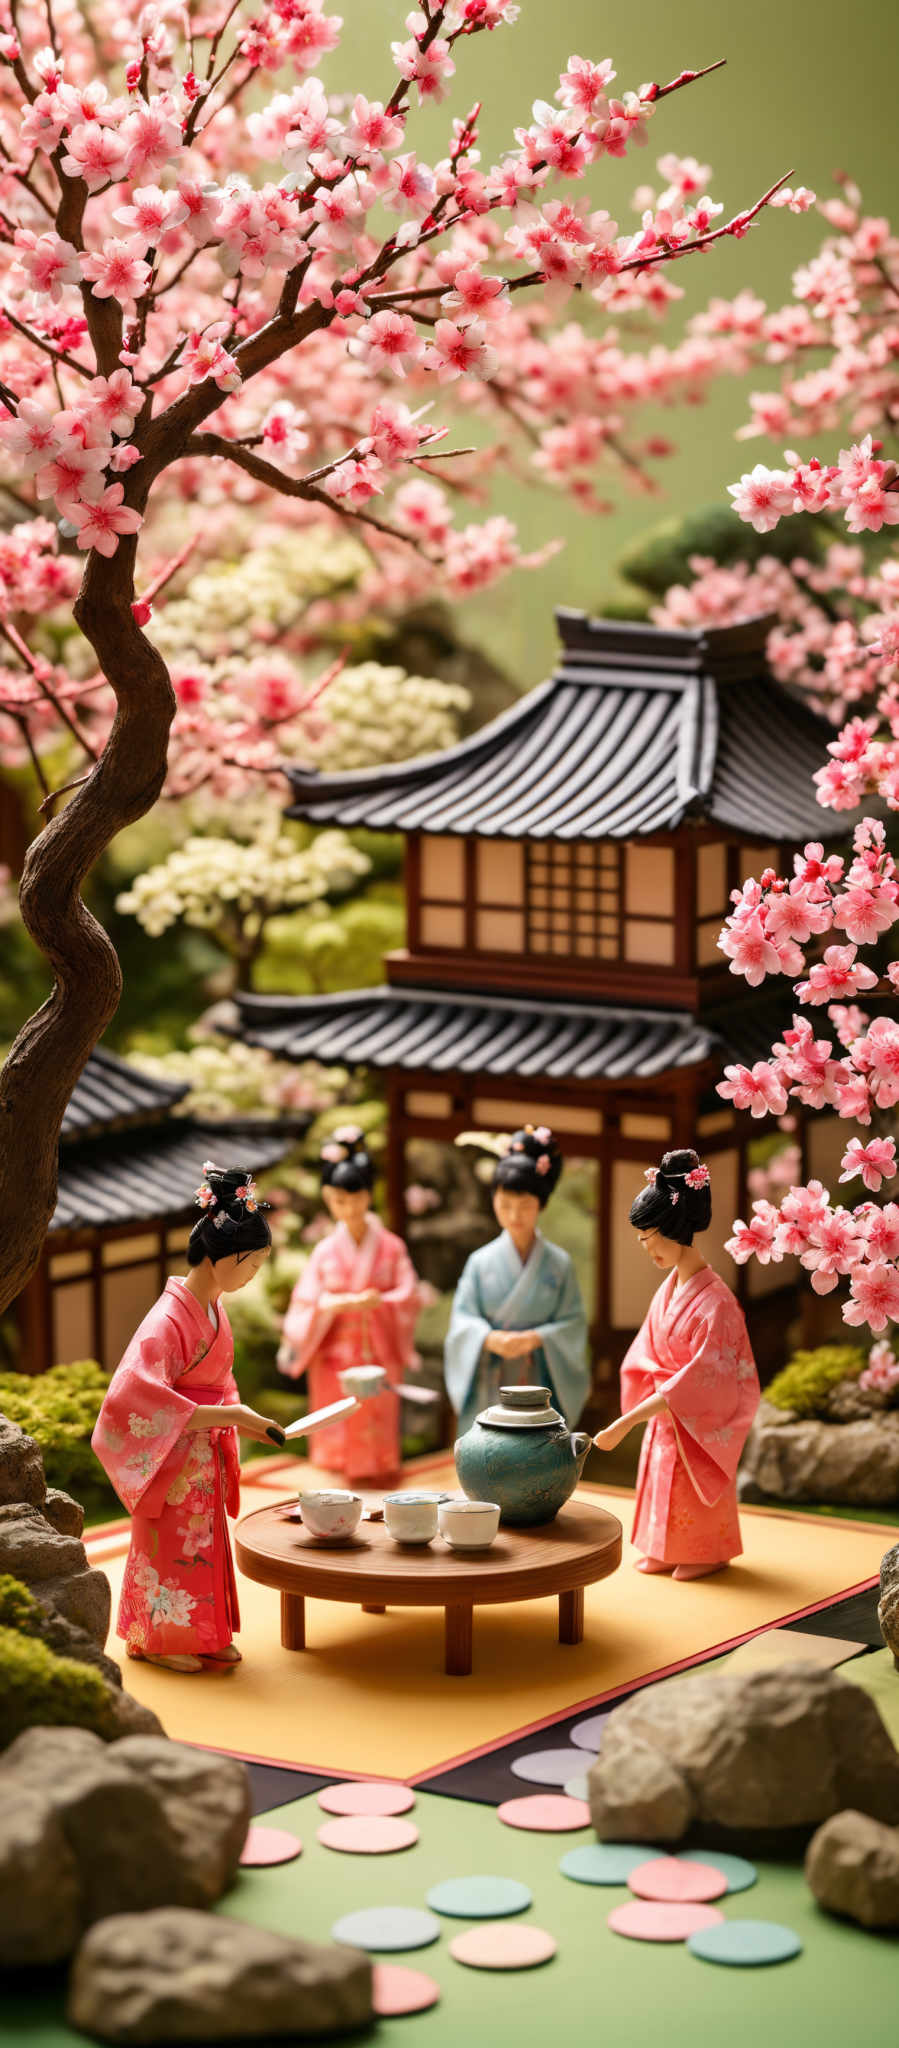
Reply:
x=356, y=1303
x=691, y=1376
x=166, y=1435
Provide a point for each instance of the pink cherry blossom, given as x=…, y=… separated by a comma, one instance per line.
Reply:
x=95, y=154
x=755, y=1239
x=118, y=271
x=101, y=518
x=874, y=1161
x=430, y=69
x=834, y=1249
x=758, y=1088
x=762, y=496
x=29, y=437
x=835, y=977
x=49, y=263
x=750, y=951
x=203, y=356
x=388, y=340
x=460, y=352
x=874, y=1295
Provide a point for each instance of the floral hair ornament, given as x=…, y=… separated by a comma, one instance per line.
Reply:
x=651, y=1173
x=333, y=1153
x=698, y=1177
x=348, y=1134
x=543, y=1134
x=204, y=1196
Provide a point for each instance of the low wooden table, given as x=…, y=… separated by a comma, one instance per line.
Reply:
x=582, y=1545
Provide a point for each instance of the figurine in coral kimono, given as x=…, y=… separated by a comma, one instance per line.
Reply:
x=690, y=1374
x=166, y=1435
x=517, y=1315
x=356, y=1303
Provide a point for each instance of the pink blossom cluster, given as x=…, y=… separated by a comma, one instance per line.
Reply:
x=773, y=919
x=881, y=1374
x=830, y=1243
x=859, y=486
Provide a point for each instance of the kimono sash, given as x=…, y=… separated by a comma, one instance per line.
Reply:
x=497, y=1291
x=153, y=1393
x=339, y=1266
x=693, y=1348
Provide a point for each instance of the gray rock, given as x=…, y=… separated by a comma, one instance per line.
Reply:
x=63, y=1512
x=852, y=1866
x=206, y=1800
x=653, y=1804
x=68, y=1640
x=131, y=1719
x=773, y=1750
x=888, y=1608
x=40, y=1914
x=170, y=1976
x=83, y=1597
x=790, y=1457
x=21, y=1466
x=32, y=1550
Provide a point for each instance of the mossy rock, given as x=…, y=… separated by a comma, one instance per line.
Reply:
x=40, y=1689
x=59, y=1409
x=805, y=1385
x=662, y=556
x=18, y=1607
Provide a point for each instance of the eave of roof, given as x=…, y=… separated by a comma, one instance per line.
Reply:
x=107, y=1182
x=111, y=1094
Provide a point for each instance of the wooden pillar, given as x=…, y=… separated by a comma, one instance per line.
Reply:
x=34, y=1314
x=395, y=1175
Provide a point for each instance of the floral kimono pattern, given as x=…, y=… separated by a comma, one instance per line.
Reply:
x=693, y=1349
x=323, y=1342
x=497, y=1292
x=179, y=1593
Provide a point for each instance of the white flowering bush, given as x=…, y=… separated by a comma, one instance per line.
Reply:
x=226, y=1078
x=373, y=714
x=231, y=607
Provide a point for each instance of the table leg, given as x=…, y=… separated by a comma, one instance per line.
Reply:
x=293, y=1621
x=458, y=1619
x=367, y=1608
x=571, y=1616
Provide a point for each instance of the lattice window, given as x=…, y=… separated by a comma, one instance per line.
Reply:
x=573, y=899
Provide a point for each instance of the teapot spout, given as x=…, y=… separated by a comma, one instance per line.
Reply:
x=580, y=1444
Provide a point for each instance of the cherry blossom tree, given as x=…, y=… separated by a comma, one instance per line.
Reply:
x=185, y=268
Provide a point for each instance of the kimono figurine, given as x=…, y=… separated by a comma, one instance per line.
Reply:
x=517, y=1315
x=166, y=1435
x=691, y=1375
x=356, y=1303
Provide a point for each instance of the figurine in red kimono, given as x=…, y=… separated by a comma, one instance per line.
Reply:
x=690, y=1374
x=356, y=1303
x=166, y=1435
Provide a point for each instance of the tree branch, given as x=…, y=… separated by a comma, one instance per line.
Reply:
x=290, y=487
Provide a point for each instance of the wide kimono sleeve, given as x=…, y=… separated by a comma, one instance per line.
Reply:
x=468, y=1331
x=402, y=1299
x=306, y=1323
x=713, y=1398
x=638, y=1382
x=563, y=1341
x=143, y=1418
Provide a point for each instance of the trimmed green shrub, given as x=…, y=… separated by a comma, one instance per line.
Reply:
x=59, y=1409
x=808, y=1380
x=37, y=1688
x=18, y=1607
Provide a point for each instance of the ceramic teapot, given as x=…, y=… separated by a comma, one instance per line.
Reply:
x=522, y=1454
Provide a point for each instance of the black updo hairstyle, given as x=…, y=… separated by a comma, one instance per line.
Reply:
x=231, y=1221
x=669, y=1204
x=345, y=1162
x=531, y=1166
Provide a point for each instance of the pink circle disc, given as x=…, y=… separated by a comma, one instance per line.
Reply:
x=269, y=1845
x=503, y=1945
x=367, y=1834
x=366, y=1797
x=664, y=1877
x=396, y=1990
x=548, y=1813
x=649, y=1920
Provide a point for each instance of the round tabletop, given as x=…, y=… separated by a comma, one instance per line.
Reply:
x=581, y=1545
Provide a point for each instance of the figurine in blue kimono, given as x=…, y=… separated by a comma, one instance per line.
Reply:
x=517, y=1316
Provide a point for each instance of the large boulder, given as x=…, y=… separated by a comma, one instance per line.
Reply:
x=170, y=1976
x=31, y=1549
x=792, y=1457
x=84, y=1598
x=40, y=1895
x=65, y=1514
x=146, y=1823
x=21, y=1466
x=852, y=1866
x=758, y=1756
x=888, y=1606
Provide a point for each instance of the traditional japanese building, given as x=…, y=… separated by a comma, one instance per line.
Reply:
x=128, y=1172
x=568, y=871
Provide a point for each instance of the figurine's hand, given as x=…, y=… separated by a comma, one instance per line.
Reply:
x=370, y=1298
x=284, y=1355
x=498, y=1342
x=609, y=1439
x=520, y=1342
x=260, y=1428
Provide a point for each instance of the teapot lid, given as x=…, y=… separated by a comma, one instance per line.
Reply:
x=522, y=1408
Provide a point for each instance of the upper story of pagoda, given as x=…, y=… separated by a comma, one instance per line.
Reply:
x=585, y=843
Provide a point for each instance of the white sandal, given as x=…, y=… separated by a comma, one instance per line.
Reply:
x=174, y=1663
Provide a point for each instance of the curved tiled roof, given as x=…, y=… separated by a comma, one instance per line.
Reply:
x=110, y=1094
x=152, y=1178
x=638, y=730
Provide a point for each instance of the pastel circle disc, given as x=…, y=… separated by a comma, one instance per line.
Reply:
x=588, y=1734
x=479, y=1898
x=745, y=1944
x=503, y=1945
x=648, y=1920
x=739, y=1872
x=368, y=1834
x=547, y=1813
x=602, y=1862
x=576, y=1788
x=268, y=1846
x=665, y=1877
x=551, y=1766
x=396, y=1990
x=387, y=1928
x=366, y=1797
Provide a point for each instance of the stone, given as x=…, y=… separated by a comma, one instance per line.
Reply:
x=852, y=1866
x=31, y=1550
x=762, y=1752
x=82, y=1597
x=130, y=1718
x=888, y=1608
x=68, y=1640
x=790, y=1457
x=175, y=1976
x=652, y=1802
x=64, y=1513
x=206, y=1800
x=21, y=1466
x=40, y=1895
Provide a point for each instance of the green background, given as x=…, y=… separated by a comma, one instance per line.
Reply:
x=804, y=88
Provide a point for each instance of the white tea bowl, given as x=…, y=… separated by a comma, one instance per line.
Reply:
x=363, y=1380
x=468, y=1524
x=410, y=1517
x=331, y=1512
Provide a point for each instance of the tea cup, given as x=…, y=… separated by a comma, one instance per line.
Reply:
x=468, y=1524
x=411, y=1517
x=331, y=1512
x=363, y=1380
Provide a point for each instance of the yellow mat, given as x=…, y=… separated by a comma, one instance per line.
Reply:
x=369, y=1695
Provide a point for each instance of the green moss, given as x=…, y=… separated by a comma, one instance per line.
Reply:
x=805, y=1383
x=59, y=1409
x=37, y=1689
x=18, y=1607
